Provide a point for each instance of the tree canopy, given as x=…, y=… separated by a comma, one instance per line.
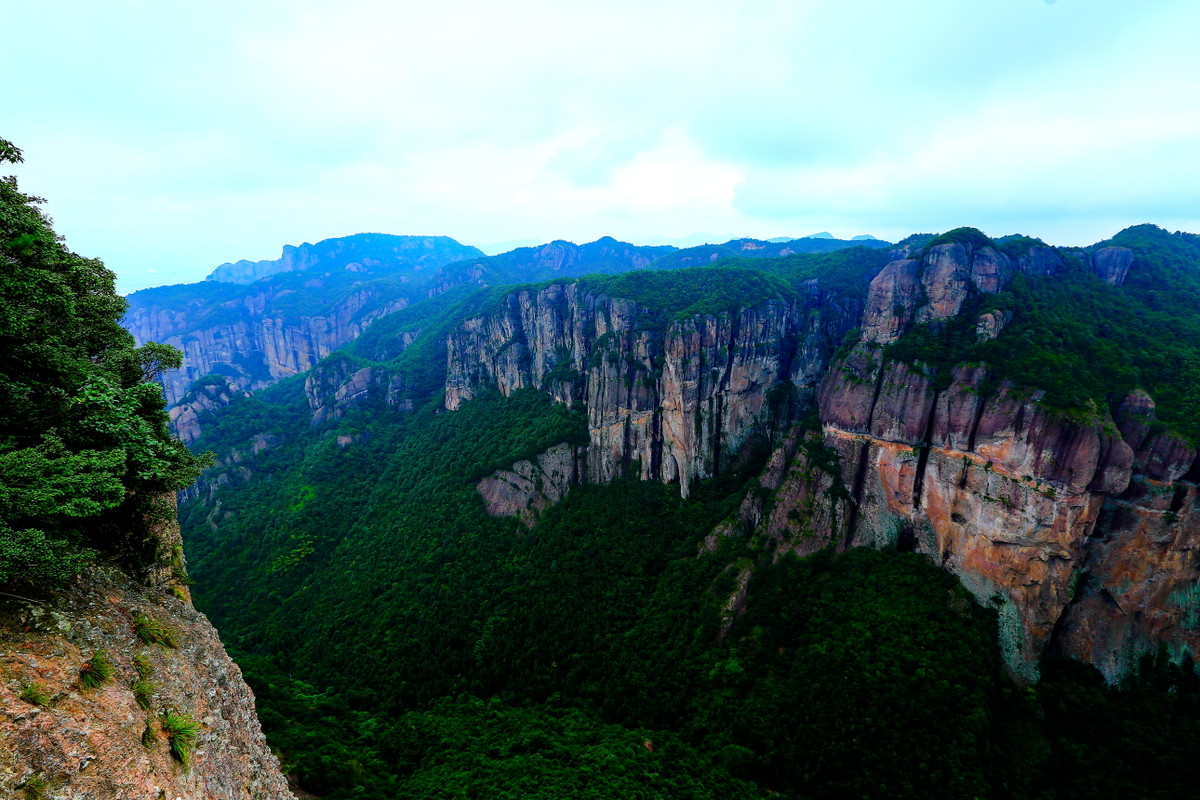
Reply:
x=84, y=446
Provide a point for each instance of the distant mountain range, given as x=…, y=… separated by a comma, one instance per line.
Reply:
x=862, y=237
x=257, y=322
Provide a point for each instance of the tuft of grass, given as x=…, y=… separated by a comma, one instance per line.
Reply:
x=96, y=671
x=141, y=663
x=35, y=694
x=36, y=788
x=143, y=692
x=180, y=730
x=151, y=631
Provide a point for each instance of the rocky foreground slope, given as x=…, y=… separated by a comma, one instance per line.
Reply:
x=63, y=740
x=1079, y=527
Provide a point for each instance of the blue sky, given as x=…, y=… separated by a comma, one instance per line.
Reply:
x=171, y=137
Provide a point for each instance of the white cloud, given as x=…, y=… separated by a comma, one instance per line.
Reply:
x=174, y=138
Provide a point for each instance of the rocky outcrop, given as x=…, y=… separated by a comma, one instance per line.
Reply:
x=996, y=487
x=1138, y=586
x=934, y=287
x=292, y=313
x=1049, y=517
x=249, y=345
x=1159, y=454
x=671, y=400
x=1111, y=264
x=110, y=742
x=342, y=382
x=1079, y=528
x=202, y=398
x=530, y=487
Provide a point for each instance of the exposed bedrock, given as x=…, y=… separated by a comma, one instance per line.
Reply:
x=110, y=741
x=338, y=384
x=935, y=286
x=673, y=400
x=1047, y=516
x=247, y=344
x=1078, y=527
x=531, y=486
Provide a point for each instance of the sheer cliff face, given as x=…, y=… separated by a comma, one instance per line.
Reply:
x=249, y=343
x=1080, y=529
x=106, y=743
x=672, y=400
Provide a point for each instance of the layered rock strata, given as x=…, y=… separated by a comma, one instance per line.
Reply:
x=1079, y=528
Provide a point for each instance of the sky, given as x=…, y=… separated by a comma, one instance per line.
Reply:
x=171, y=137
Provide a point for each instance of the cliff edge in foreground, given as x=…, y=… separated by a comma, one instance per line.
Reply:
x=126, y=737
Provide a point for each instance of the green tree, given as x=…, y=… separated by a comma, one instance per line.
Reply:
x=84, y=445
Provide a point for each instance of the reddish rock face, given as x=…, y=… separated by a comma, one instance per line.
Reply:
x=847, y=395
x=891, y=301
x=1078, y=529
x=89, y=742
x=935, y=287
x=947, y=270
x=1085, y=539
x=1137, y=587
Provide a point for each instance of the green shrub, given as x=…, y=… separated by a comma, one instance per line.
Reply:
x=35, y=694
x=180, y=730
x=142, y=665
x=143, y=692
x=148, y=740
x=36, y=788
x=85, y=434
x=96, y=671
x=152, y=631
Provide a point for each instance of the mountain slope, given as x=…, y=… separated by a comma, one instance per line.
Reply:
x=376, y=253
